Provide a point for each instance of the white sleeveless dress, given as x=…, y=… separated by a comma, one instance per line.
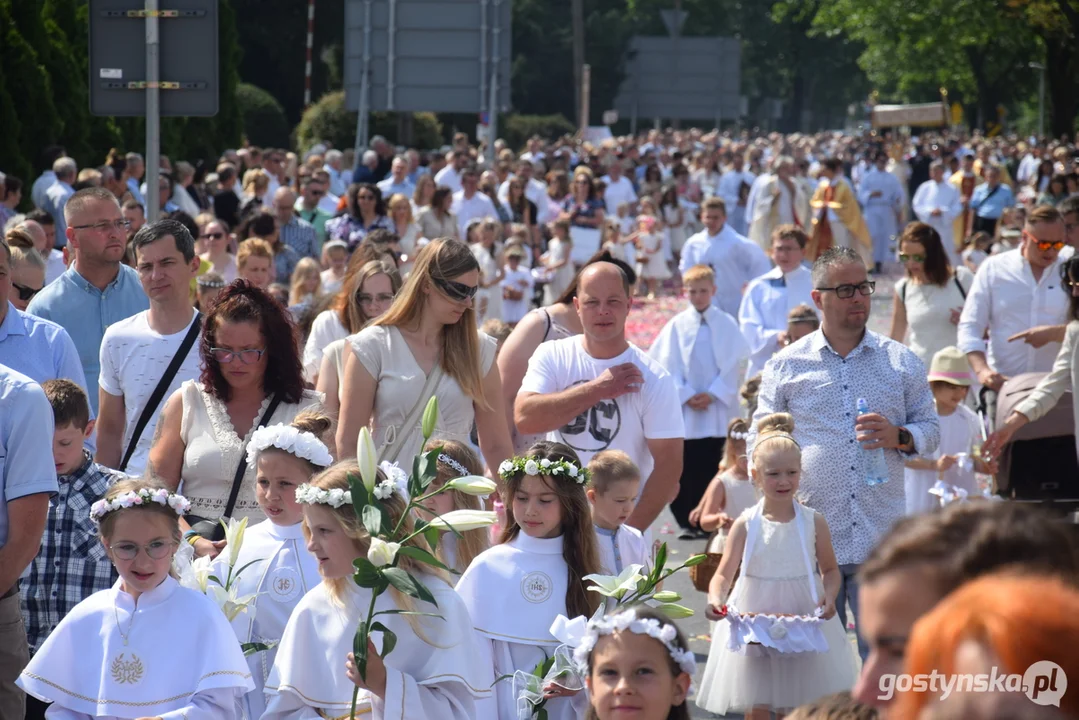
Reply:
x=775, y=581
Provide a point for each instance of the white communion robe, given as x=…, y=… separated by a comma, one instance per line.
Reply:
x=941, y=196
x=765, y=306
x=442, y=675
x=283, y=571
x=715, y=371
x=514, y=592
x=730, y=186
x=180, y=660
x=733, y=258
x=882, y=212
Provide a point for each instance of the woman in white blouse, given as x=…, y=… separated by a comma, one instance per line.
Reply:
x=929, y=300
x=406, y=229
x=436, y=220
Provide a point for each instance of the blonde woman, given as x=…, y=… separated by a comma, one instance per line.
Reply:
x=407, y=230
x=215, y=241
x=421, y=196
x=485, y=247
x=426, y=345
x=305, y=285
x=256, y=185
x=254, y=263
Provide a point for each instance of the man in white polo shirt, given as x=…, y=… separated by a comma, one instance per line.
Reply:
x=596, y=392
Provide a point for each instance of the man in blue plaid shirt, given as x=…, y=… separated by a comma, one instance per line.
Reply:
x=71, y=564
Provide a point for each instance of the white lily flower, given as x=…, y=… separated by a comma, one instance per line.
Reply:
x=202, y=568
x=473, y=485
x=367, y=457
x=462, y=520
x=615, y=586
x=234, y=538
x=230, y=602
x=382, y=553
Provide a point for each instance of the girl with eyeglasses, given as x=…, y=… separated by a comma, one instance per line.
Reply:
x=929, y=300
x=251, y=375
x=426, y=345
x=215, y=238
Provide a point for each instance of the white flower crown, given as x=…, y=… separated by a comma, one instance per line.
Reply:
x=535, y=466
x=296, y=442
x=142, y=496
x=628, y=620
x=396, y=481
x=738, y=435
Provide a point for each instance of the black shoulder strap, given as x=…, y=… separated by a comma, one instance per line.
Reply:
x=903, y=292
x=238, y=479
x=162, y=385
x=547, y=315
x=960, y=286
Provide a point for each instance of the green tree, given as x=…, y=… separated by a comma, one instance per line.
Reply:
x=264, y=119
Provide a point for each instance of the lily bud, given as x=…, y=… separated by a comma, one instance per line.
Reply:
x=462, y=520
x=430, y=417
x=367, y=458
x=472, y=485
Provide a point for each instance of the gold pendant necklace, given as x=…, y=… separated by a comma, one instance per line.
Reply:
x=125, y=672
x=123, y=635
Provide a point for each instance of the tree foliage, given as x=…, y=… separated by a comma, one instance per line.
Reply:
x=327, y=121
x=263, y=117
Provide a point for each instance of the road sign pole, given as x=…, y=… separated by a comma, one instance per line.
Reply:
x=586, y=96
x=492, y=105
x=361, y=116
x=153, y=113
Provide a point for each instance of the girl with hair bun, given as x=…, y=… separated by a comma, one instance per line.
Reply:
x=780, y=543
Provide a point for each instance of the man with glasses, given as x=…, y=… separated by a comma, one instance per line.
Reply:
x=819, y=380
x=1016, y=297
x=310, y=206
x=98, y=289
x=295, y=232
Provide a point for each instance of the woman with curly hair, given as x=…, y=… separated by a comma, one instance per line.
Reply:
x=251, y=375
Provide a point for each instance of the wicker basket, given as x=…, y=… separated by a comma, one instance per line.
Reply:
x=701, y=575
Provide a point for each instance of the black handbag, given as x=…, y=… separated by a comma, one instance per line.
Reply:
x=212, y=530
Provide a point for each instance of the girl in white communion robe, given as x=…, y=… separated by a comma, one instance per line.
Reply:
x=435, y=670
x=146, y=648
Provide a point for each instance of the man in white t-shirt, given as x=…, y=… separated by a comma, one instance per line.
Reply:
x=597, y=392
x=619, y=189
x=450, y=176
x=136, y=352
x=469, y=203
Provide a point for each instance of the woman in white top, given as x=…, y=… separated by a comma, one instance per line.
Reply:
x=215, y=237
x=407, y=230
x=367, y=292
x=436, y=220
x=487, y=234
x=929, y=300
x=421, y=196
x=427, y=344
x=249, y=362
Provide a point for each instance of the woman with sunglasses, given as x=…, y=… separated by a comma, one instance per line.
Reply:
x=251, y=372
x=27, y=268
x=426, y=345
x=929, y=300
x=364, y=212
x=215, y=238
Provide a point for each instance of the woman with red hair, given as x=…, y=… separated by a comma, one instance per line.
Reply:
x=1002, y=622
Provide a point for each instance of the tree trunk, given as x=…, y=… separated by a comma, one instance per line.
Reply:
x=1061, y=87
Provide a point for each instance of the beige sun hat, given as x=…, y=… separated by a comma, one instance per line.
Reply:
x=950, y=365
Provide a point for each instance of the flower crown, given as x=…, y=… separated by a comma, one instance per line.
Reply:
x=396, y=482
x=628, y=620
x=453, y=464
x=296, y=442
x=142, y=496
x=735, y=435
x=537, y=466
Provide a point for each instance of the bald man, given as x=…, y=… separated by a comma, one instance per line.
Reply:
x=598, y=392
x=296, y=232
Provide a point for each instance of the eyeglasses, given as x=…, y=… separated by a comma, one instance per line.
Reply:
x=247, y=357
x=105, y=226
x=903, y=257
x=365, y=197
x=455, y=290
x=316, y=193
x=25, y=293
x=844, y=292
x=157, y=550
x=212, y=236
x=381, y=299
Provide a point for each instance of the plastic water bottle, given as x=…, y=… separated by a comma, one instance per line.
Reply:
x=874, y=464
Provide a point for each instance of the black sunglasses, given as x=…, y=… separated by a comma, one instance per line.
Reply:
x=25, y=293
x=455, y=290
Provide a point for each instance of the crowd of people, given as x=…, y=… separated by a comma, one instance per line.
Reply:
x=222, y=362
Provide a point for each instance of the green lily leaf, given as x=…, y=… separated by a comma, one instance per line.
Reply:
x=422, y=555
x=372, y=519
x=359, y=493
x=408, y=585
x=389, y=638
x=366, y=575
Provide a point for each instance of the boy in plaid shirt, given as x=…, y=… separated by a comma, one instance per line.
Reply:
x=71, y=564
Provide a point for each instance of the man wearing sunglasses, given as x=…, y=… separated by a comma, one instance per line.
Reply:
x=1016, y=297
x=819, y=380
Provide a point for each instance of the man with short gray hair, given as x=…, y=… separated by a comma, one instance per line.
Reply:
x=334, y=160
x=819, y=380
x=397, y=182
x=135, y=170
x=58, y=193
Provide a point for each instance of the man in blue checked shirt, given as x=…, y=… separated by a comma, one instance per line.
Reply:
x=989, y=201
x=27, y=481
x=819, y=380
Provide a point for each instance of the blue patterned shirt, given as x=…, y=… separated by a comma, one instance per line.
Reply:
x=300, y=235
x=820, y=389
x=71, y=564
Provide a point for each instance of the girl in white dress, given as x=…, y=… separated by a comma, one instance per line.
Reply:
x=652, y=266
x=557, y=262
x=640, y=655
x=777, y=540
x=435, y=670
x=515, y=590
x=277, y=568
x=731, y=492
x=456, y=460
x=146, y=648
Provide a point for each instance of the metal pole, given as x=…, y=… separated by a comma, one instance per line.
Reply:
x=1041, y=104
x=586, y=92
x=391, y=60
x=153, y=113
x=310, y=49
x=492, y=107
x=483, y=54
x=361, y=116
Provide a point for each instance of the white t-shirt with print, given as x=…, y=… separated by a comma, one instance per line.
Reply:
x=624, y=423
x=133, y=359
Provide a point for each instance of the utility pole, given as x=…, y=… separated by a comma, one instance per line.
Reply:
x=577, y=18
x=1041, y=98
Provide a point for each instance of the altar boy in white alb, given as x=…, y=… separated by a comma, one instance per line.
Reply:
x=769, y=299
x=702, y=348
x=937, y=204
x=146, y=648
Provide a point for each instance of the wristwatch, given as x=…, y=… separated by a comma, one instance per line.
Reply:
x=906, y=440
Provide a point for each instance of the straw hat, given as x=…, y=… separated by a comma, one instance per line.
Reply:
x=950, y=365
